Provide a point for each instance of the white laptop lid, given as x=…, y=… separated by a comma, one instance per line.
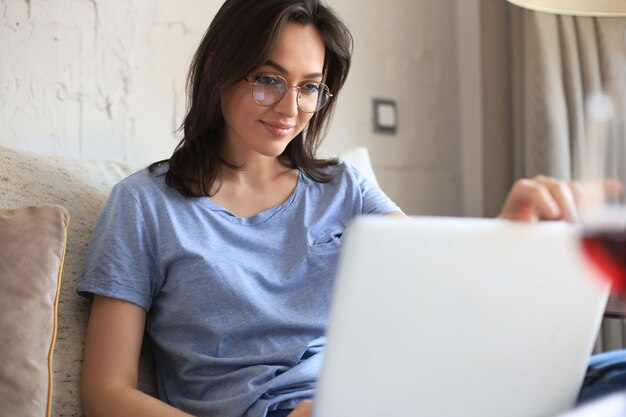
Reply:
x=442, y=317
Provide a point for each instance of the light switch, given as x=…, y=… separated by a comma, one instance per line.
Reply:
x=385, y=116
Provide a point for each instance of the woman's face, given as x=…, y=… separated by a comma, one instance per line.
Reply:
x=298, y=56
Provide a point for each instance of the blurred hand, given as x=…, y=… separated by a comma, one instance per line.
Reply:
x=302, y=410
x=540, y=198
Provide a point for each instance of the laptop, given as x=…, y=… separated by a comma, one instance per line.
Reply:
x=458, y=317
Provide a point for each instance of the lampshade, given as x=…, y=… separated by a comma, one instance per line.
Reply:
x=576, y=7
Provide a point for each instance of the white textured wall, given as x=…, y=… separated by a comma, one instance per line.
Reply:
x=105, y=79
x=96, y=78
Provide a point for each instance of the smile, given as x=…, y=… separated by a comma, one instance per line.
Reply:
x=278, y=129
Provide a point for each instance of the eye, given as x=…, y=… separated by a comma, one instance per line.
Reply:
x=310, y=88
x=267, y=80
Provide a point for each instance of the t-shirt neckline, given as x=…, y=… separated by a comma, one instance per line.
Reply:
x=262, y=216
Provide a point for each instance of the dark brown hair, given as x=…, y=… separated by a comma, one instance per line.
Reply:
x=238, y=41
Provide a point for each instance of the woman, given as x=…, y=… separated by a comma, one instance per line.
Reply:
x=226, y=252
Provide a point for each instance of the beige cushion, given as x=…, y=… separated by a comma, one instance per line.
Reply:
x=32, y=246
x=81, y=187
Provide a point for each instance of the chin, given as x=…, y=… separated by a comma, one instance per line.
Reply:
x=274, y=149
x=273, y=153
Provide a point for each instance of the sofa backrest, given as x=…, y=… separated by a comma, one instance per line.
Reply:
x=81, y=187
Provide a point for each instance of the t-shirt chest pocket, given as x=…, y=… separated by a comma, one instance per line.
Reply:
x=328, y=241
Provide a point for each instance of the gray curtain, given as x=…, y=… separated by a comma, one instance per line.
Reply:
x=557, y=62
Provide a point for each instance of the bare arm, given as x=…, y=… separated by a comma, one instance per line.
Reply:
x=302, y=410
x=111, y=361
x=396, y=214
x=539, y=198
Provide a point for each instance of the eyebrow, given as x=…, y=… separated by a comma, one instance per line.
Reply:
x=283, y=70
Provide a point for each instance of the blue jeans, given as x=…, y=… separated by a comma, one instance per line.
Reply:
x=606, y=374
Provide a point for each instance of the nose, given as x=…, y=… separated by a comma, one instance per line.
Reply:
x=288, y=104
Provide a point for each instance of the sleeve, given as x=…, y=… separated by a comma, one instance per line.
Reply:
x=121, y=261
x=374, y=200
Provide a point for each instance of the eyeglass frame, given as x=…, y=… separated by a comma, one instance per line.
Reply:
x=252, y=82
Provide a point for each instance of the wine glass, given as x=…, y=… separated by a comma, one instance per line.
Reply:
x=600, y=177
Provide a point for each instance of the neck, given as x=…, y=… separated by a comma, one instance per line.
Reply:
x=255, y=171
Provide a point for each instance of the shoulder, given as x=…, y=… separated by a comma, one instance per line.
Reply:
x=352, y=184
x=146, y=187
x=343, y=171
x=144, y=178
x=339, y=175
x=145, y=181
x=345, y=181
x=348, y=174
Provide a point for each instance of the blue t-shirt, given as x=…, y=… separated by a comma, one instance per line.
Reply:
x=236, y=307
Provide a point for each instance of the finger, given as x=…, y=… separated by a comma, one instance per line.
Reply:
x=530, y=200
x=577, y=191
x=601, y=188
x=543, y=202
x=563, y=196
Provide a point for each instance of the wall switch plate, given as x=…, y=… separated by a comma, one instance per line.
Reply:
x=385, y=116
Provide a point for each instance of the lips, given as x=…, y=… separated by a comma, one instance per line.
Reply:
x=278, y=129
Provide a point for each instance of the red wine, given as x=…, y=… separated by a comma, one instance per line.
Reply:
x=607, y=250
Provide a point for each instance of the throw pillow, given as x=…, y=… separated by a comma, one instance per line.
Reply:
x=32, y=247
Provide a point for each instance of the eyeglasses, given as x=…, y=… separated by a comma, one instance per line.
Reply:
x=268, y=90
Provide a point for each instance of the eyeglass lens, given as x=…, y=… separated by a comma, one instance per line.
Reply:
x=268, y=90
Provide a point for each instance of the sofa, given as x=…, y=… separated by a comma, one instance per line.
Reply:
x=48, y=208
x=44, y=382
